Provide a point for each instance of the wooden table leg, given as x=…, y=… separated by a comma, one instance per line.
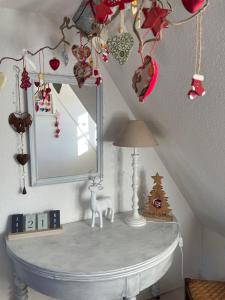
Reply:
x=21, y=290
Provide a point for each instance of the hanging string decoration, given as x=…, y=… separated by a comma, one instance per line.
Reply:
x=57, y=125
x=20, y=122
x=197, y=88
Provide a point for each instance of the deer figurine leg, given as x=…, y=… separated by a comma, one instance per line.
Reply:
x=93, y=219
x=100, y=219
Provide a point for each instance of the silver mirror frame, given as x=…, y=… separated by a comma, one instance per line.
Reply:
x=34, y=180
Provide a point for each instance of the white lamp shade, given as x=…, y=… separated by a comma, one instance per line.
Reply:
x=135, y=134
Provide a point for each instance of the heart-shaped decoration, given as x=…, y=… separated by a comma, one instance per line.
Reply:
x=3, y=80
x=82, y=71
x=81, y=52
x=20, y=121
x=120, y=45
x=22, y=158
x=192, y=5
x=54, y=63
x=145, y=78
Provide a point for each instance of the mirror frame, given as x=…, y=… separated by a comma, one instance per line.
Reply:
x=34, y=180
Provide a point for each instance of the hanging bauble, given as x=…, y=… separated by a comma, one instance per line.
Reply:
x=192, y=6
x=120, y=45
x=3, y=80
x=145, y=78
x=54, y=63
x=25, y=80
x=82, y=71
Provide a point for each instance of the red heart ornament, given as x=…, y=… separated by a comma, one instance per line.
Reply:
x=192, y=5
x=82, y=71
x=81, y=52
x=145, y=78
x=54, y=63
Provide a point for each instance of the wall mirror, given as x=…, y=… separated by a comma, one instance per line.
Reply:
x=75, y=152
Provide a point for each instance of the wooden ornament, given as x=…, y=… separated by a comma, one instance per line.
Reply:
x=22, y=158
x=157, y=205
x=20, y=121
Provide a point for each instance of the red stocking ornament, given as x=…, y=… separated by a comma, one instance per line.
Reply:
x=196, y=87
x=192, y=5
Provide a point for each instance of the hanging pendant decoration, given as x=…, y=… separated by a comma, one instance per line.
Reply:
x=145, y=78
x=192, y=6
x=54, y=63
x=197, y=88
x=57, y=125
x=65, y=56
x=20, y=122
x=25, y=80
x=81, y=53
x=120, y=46
x=82, y=71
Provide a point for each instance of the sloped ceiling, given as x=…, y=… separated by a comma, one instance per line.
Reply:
x=191, y=135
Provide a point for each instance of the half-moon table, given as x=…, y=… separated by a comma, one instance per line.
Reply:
x=86, y=263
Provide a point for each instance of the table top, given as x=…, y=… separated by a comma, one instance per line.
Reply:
x=82, y=252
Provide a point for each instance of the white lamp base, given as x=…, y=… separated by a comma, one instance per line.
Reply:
x=135, y=220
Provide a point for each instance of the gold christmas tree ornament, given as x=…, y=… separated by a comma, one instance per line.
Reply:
x=157, y=205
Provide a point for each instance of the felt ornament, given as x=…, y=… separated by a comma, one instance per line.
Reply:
x=22, y=158
x=57, y=126
x=119, y=46
x=196, y=87
x=120, y=3
x=82, y=71
x=54, y=63
x=192, y=6
x=155, y=18
x=25, y=80
x=145, y=78
x=3, y=80
x=81, y=52
x=102, y=12
x=20, y=121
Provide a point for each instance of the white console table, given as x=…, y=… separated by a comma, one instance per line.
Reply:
x=86, y=263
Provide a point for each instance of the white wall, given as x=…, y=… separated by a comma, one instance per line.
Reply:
x=213, y=253
x=19, y=31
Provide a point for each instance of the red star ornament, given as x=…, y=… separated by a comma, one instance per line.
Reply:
x=120, y=3
x=102, y=12
x=155, y=19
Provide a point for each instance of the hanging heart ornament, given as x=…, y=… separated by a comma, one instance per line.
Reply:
x=145, y=78
x=120, y=45
x=22, y=158
x=54, y=63
x=20, y=121
x=192, y=5
x=81, y=52
x=82, y=71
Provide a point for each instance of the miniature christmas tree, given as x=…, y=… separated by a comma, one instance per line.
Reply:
x=157, y=205
x=25, y=80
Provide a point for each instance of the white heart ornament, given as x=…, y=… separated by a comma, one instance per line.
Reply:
x=3, y=80
x=120, y=46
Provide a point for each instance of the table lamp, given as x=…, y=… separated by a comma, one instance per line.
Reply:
x=135, y=135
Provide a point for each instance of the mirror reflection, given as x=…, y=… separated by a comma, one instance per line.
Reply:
x=65, y=131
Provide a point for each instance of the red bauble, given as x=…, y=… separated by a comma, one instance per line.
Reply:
x=54, y=63
x=192, y=5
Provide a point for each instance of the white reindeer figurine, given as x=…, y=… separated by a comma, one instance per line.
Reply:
x=100, y=205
